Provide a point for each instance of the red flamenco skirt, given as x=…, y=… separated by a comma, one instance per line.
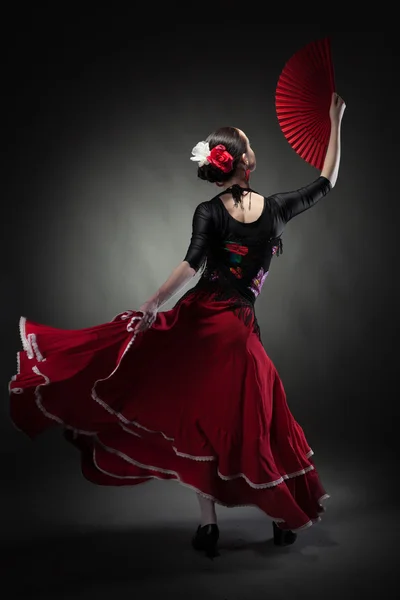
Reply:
x=195, y=399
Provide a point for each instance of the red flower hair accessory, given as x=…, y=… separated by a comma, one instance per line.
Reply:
x=218, y=156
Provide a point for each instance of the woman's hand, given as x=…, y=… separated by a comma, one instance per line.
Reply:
x=149, y=310
x=179, y=277
x=337, y=108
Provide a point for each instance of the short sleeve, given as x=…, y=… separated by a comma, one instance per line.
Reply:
x=291, y=204
x=202, y=226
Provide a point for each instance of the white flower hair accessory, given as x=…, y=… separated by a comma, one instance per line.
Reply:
x=201, y=152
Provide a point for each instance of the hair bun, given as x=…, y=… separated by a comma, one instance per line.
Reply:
x=234, y=144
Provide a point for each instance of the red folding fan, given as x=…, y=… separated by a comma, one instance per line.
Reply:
x=302, y=100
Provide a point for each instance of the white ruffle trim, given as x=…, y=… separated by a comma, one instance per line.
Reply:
x=31, y=347
x=178, y=479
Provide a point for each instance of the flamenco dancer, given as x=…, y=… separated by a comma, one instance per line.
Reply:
x=190, y=393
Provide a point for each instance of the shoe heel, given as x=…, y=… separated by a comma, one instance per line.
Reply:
x=206, y=540
x=283, y=537
x=278, y=534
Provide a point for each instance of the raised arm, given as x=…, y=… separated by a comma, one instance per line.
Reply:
x=185, y=271
x=291, y=204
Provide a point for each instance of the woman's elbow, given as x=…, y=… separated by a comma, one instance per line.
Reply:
x=191, y=270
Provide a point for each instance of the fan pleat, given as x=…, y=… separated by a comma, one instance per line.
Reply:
x=302, y=100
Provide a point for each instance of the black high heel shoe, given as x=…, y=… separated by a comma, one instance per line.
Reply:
x=283, y=537
x=206, y=540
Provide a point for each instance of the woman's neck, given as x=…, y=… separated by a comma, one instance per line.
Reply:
x=239, y=179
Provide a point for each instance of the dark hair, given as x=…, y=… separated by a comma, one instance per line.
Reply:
x=235, y=145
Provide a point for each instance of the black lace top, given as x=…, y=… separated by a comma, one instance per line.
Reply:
x=237, y=256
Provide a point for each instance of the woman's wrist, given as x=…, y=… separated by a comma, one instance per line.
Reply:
x=335, y=123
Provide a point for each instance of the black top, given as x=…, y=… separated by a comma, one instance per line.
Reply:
x=239, y=254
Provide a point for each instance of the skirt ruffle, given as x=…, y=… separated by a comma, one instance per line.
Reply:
x=195, y=399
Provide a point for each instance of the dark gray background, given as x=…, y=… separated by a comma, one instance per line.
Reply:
x=99, y=196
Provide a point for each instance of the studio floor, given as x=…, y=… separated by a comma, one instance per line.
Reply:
x=64, y=538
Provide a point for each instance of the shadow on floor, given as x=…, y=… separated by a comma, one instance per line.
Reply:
x=77, y=558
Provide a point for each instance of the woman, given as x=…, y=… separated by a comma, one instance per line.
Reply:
x=190, y=393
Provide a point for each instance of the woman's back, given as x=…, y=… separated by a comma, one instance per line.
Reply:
x=237, y=243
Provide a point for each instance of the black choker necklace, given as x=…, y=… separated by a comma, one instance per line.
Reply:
x=237, y=194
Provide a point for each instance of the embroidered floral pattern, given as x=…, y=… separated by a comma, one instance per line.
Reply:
x=258, y=282
x=236, y=253
x=237, y=272
x=213, y=276
x=236, y=250
x=229, y=268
